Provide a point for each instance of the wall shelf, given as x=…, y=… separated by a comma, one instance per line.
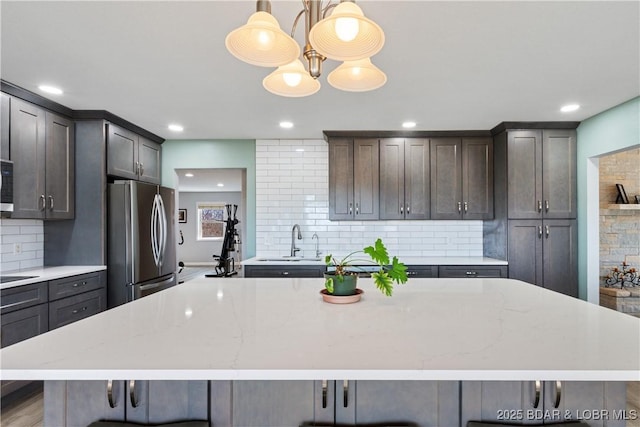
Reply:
x=631, y=207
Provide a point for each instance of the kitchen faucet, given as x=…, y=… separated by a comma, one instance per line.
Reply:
x=315, y=236
x=293, y=239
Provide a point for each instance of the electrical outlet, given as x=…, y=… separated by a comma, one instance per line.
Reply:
x=17, y=248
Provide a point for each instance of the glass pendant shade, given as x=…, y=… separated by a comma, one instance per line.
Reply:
x=291, y=80
x=261, y=42
x=346, y=34
x=357, y=76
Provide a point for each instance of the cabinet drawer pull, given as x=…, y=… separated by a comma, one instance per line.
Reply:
x=411, y=273
x=546, y=206
x=558, y=388
x=536, y=398
x=43, y=202
x=132, y=394
x=51, y=203
x=345, y=393
x=112, y=403
x=75, y=285
x=76, y=311
x=471, y=273
x=324, y=393
x=539, y=205
x=285, y=273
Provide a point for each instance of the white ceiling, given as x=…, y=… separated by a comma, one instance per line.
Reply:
x=450, y=65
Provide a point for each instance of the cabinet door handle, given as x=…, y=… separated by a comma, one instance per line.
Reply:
x=408, y=209
x=539, y=205
x=345, y=393
x=50, y=202
x=132, y=394
x=466, y=207
x=536, y=397
x=112, y=403
x=350, y=208
x=357, y=209
x=546, y=206
x=558, y=388
x=76, y=311
x=137, y=171
x=401, y=210
x=540, y=232
x=459, y=207
x=43, y=202
x=324, y=393
x=141, y=171
x=546, y=231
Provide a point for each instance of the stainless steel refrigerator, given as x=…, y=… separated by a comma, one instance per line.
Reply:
x=141, y=254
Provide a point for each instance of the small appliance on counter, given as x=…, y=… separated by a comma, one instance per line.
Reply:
x=141, y=254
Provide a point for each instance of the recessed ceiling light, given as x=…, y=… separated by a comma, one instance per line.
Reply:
x=176, y=128
x=188, y=175
x=286, y=125
x=569, y=108
x=220, y=184
x=50, y=89
x=408, y=125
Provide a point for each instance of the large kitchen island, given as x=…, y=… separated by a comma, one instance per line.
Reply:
x=271, y=352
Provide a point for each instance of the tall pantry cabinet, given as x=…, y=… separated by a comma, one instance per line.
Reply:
x=535, y=205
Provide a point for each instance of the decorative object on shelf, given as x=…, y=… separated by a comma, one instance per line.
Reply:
x=182, y=215
x=345, y=34
x=638, y=199
x=622, y=195
x=625, y=278
x=341, y=276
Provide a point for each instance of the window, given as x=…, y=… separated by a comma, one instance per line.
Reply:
x=210, y=221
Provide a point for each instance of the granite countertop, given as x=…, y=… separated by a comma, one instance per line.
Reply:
x=277, y=329
x=42, y=274
x=411, y=260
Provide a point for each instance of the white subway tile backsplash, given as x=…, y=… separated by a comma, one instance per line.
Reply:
x=292, y=188
x=29, y=233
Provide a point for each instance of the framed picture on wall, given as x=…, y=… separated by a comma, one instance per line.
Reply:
x=182, y=215
x=622, y=195
x=210, y=219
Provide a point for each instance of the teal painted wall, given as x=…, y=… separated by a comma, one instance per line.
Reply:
x=183, y=154
x=612, y=130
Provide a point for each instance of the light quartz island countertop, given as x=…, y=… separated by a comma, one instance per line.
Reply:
x=281, y=329
x=43, y=274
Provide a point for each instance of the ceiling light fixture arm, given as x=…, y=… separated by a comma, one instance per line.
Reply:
x=263, y=6
x=315, y=59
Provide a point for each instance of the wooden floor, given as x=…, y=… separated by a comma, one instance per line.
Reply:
x=28, y=412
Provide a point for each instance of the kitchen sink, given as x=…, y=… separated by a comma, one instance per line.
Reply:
x=6, y=279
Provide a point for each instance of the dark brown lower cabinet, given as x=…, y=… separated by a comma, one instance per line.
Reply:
x=471, y=271
x=600, y=404
x=544, y=252
x=289, y=271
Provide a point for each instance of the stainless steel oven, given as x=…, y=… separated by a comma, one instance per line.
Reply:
x=6, y=188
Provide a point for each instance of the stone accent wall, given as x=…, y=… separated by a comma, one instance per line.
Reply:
x=619, y=229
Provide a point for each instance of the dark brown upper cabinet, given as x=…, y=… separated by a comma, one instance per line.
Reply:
x=461, y=178
x=353, y=179
x=404, y=178
x=541, y=174
x=42, y=150
x=132, y=156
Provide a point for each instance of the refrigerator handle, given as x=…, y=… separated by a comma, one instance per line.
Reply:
x=154, y=230
x=163, y=230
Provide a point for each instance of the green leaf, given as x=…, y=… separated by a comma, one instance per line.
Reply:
x=327, y=259
x=328, y=284
x=398, y=271
x=378, y=253
x=383, y=282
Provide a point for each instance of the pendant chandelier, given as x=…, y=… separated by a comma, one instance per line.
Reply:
x=336, y=31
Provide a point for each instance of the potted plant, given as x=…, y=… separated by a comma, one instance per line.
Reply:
x=343, y=279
